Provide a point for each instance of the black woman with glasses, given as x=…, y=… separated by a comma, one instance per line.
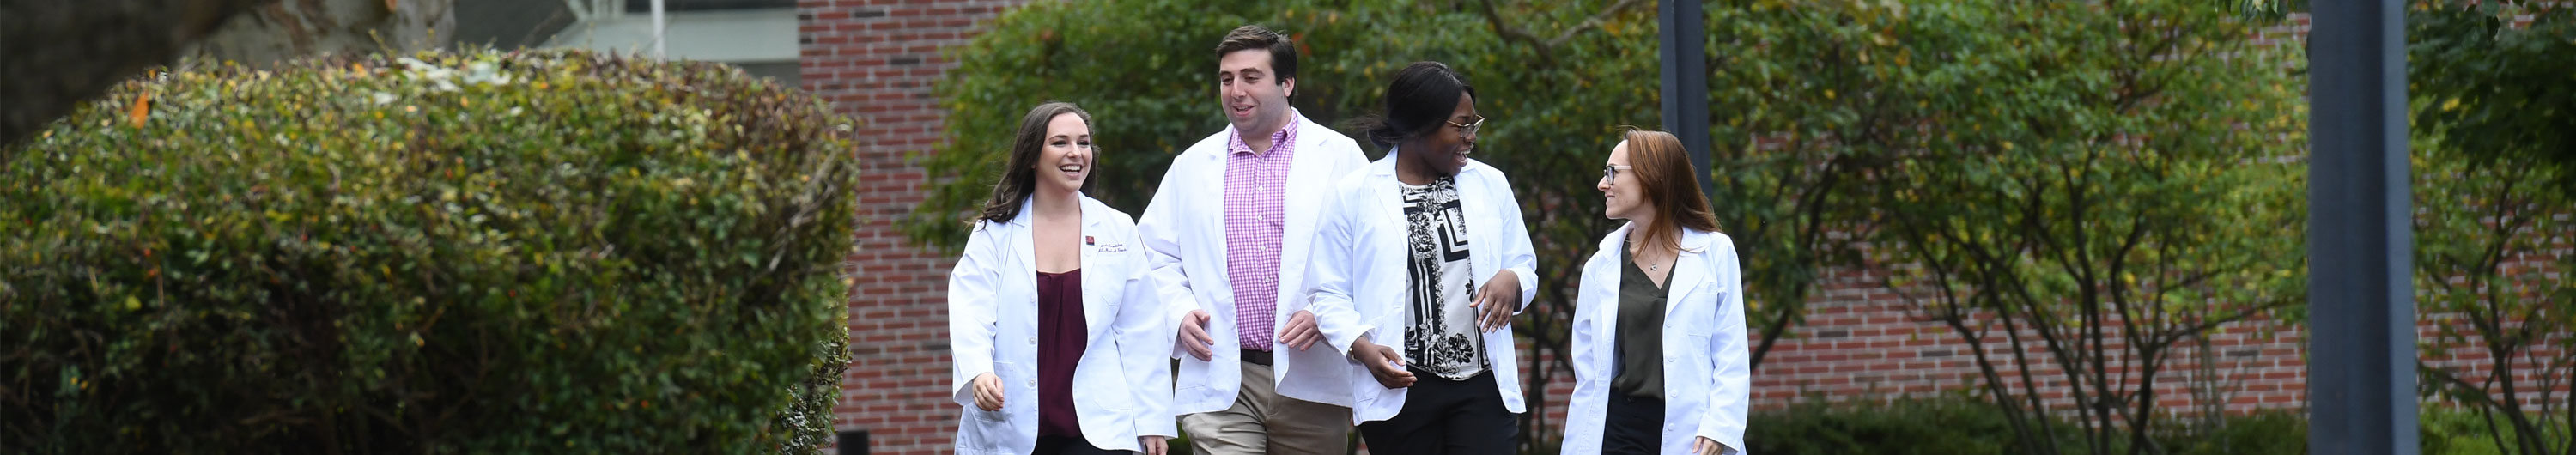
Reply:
x=1421, y=261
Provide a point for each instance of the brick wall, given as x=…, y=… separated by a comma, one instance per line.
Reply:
x=877, y=59
x=1864, y=341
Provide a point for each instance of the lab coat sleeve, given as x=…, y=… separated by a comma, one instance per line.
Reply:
x=1519, y=256
x=1589, y=303
x=1727, y=402
x=971, y=316
x=1160, y=230
x=1145, y=338
x=1330, y=274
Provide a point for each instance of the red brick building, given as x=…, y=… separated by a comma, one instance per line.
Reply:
x=878, y=59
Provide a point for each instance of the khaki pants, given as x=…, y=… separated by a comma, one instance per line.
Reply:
x=1263, y=422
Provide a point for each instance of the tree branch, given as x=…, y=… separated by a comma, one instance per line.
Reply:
x=1547, y=47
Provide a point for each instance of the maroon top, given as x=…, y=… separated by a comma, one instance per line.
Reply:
x=1061, y=336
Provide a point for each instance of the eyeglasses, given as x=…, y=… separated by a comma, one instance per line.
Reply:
x=1469, y=128
x=1610, y=172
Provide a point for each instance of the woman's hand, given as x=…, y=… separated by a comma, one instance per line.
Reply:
x=1194, y=337
x=1153, y=445
x=1501, y=295
x=1383, y=363
x=1705, y=446
x=988, y=392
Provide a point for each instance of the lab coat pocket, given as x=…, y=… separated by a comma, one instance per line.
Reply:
x=1011, y=396
x=1699, y=309
x=991, y=431
x=1693, y=372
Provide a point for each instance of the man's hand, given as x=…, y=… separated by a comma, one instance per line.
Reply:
x=1153, y=445
x=1194, y=336
x=1383, y=363
x=1704, y=446
x=1501, y=295
x=988, y=392
x=1301, y=332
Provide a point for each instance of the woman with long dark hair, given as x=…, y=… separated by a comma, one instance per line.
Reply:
x=1659, y=344
x=1421, y=262
x=1051, y=297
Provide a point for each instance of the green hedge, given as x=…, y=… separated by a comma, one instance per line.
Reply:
x=2452, y=430
x=1964, y=425
x=1940, y=426
x=528, y=252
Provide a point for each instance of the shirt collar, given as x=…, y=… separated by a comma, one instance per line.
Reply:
x=1284, y=138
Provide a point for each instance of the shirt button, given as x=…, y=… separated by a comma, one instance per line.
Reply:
x=1261, y=187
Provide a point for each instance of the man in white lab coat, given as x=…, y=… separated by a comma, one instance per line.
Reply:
x=1228, y=234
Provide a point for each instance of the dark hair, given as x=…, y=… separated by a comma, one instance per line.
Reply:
x=1021, y=178
x=1418, y=102
x=1664, y=170
x=1283, y=51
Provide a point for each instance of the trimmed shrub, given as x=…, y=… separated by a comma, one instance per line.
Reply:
x=554, y=252
x=1913, y=426
x=2266, y=432
x=2448, y=429
x=1960, y=424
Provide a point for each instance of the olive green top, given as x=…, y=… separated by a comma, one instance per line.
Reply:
x=1639, y=335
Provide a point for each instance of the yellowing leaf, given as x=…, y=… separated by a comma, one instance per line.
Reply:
x=142, y=108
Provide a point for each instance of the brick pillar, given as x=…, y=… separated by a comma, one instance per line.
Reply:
x=876, y=60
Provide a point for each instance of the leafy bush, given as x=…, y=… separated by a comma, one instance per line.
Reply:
x=475, y=252
x=2448, y=430
x=1915, y=426
x=2270, y=432
x=1964, y=424
x=2495, y=167
x=1968, y=425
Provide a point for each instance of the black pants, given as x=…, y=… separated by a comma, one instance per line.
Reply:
x=1441, y=416
x=1059, y=445
x=1634, y=425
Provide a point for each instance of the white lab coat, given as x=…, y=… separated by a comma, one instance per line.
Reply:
x=1184, y=230
x=1707, y=374
x=992, y=321
x=1361, y=284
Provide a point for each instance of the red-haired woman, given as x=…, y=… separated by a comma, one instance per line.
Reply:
x=1659, y=343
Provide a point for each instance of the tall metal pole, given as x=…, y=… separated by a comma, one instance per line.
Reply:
x=1685, y=68
x=2361, y=359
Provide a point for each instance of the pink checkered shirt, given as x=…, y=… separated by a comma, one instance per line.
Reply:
x=1256, y=187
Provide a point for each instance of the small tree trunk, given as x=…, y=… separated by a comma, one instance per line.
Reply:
x=56, y=54
x=289, y=29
